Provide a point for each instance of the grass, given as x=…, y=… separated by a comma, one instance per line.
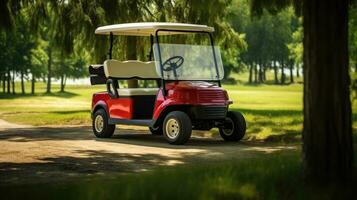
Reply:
x=273, y=113
x=58, y=108
x=277, y=176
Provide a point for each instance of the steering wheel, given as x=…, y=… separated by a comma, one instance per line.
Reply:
x=173, y=63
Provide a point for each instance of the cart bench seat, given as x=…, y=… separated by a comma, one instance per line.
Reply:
x=130, y=69
x=128, y=92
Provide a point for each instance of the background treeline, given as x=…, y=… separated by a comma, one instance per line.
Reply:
x=55, y=39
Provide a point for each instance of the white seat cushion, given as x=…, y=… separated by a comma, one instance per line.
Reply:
x=127, y=92
x=130, y=69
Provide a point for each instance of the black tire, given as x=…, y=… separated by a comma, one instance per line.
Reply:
x=181, y=126
x=156, y=131
x=107, y=130
x=234, y=127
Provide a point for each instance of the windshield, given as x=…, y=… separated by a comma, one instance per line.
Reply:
x=188, y=62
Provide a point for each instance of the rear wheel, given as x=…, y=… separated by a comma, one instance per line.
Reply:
x=100, y=125
x=177, y=127
x=156, y=131
x=234, y=127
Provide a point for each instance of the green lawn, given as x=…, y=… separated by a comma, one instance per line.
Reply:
x=71, y=107
x=273, y=113
x=277, y=176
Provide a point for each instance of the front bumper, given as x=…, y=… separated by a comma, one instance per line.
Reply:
x=209, y=112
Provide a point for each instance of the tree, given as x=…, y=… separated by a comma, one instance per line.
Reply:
x=209, y=12
x=327, y=106
x=4, y=62
x=15, y=54
x=76, y=20
x=327, y=133
x=48, y=33
x=296, y=48
x=266, y=37
x=22, y=44
x=353, y=37
x=71, y=67
x=37, y=13
x=38, y=62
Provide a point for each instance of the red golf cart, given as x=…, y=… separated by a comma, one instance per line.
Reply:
x=186, y=94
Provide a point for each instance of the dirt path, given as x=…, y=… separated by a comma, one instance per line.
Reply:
x=7, y=125
x=40, y=154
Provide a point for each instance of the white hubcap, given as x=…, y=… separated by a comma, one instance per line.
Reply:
x=172, y=128
x=99, y=123
x=229, y=127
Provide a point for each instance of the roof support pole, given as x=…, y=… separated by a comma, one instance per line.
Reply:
x=110, y=45
x=151, y=43
x=160, y=61
x=214, y=57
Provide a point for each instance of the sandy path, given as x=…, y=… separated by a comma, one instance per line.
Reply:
x=39, y=154
x=7, y=125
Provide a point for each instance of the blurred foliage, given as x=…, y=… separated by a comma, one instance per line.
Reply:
x=59, y=26
x=250, y=33
x=295, y=47
x=353, y=37
x=267, y=36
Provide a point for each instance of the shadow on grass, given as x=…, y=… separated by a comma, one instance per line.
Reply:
x=80, y=163
x=283, y=125
x=273, y=125
x=69, y=112
x=230, y=81
x=270, y=82
x=195, y=180
x=61, y=94
x=272, y=113
x=112, y=155
x=121, y=136
x=27, y=95
x=84, y=173
x=277, y=176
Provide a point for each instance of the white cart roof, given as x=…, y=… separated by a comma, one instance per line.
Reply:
x=149, y=28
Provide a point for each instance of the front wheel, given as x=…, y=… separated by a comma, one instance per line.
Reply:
x=177, y=127
x=101, y=128
x=234, y=127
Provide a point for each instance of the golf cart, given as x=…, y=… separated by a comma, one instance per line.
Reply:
x=187, y=95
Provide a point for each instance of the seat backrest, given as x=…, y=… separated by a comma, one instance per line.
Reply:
x=128, y=92
x=130, y=69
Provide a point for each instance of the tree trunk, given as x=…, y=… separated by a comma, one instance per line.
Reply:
x=291, y=73
x=49, y=70
x=8, y=81
x=297, y=70
x=276, y=80
x=4, y=83
x=327, y=134
x=22, y=83
x=255, y=74
x=264, y=73
x=13, y=82
x=260, y=73
x=63, y=84
x=250, y=73
x=282, y=73
x=131, y=55
x=33, y=81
